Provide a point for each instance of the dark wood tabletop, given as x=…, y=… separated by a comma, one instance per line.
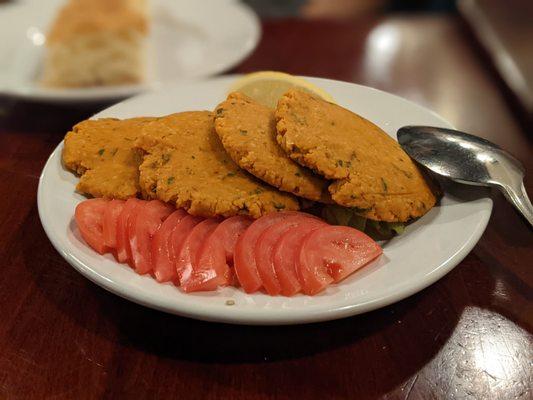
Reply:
x=468, y=336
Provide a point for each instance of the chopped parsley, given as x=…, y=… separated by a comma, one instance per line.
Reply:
x=170, y=180
x=384, y=184
x=101, y=152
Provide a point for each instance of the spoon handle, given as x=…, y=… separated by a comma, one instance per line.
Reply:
x=518, y=197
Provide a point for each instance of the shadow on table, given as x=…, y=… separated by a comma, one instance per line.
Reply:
x=394, y=343
x=36, y=117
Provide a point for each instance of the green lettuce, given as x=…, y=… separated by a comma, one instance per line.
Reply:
x=379, y=230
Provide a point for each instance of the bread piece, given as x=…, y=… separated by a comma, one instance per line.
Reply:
x=185, y=164
x=371, y=172
x=247, y=131
x=97, y=43
x=101, y=151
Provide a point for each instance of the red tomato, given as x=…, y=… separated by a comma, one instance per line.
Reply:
x=123, y=244
x=283, y=248
x=177, y=238
x=162, y=260
x=332, y=253
x=228, y=233
x=111, y=214
x=89, y=216
x=141, y=229
x=245, y=265
x=212, y=267
x=264, y=249
x=191, y=247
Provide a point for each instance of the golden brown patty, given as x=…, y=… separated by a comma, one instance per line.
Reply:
x=186, y=164
x=102, y=152
x=247, y=130
x=373, y=174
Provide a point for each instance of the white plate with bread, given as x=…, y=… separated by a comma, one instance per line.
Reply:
x=98, y=50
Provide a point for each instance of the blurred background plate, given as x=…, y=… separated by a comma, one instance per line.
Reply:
x=189, y=40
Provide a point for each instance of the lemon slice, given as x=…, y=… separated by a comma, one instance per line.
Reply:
x=266, y=87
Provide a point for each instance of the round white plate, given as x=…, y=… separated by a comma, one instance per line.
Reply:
x=189, y=39
x=428, y=249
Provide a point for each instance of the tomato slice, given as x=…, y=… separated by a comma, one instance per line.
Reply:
x=123, y=253
x=141, y=229
x=245, y=265
x=162, y=260
x=191, y=248
x=228, y=233
x=89, y=216
x=265, y=245
x=283, y=249
x=111, y=214
x=332, y=253
x=212, y=267
x=177, y=238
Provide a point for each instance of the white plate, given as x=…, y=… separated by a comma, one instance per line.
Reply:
x=428, y=249
x=189, y=39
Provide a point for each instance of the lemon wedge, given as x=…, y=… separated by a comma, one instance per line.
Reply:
x=266, y=87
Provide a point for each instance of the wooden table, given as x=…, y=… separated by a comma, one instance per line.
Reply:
x=468, y=336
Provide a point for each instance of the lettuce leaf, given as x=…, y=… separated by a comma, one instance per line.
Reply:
x=378, y=230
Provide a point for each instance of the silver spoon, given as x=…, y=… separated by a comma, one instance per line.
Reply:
x=468, y=159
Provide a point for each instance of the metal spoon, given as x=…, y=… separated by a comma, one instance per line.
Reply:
x=468, y=159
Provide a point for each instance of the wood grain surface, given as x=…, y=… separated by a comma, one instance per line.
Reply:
x=468, y=336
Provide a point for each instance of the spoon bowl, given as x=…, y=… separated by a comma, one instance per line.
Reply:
x=468, y=159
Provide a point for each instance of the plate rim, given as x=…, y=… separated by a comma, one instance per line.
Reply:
x=250, y=316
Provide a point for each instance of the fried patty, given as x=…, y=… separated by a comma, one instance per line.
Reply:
x=247, y=131
x=185, y=164
x=371, y=171
x=102, y=152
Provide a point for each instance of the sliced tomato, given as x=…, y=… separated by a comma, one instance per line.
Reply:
x=111, y=214
x=215, y=258
x=177, y=238
x=228, y=233
x=123, y=252
x=283, y=248
x=191, y=247
x=265, y=246
x=142, y=228
x=245, y=265
x=162, y=260
x=332, y=253
x=89, y=216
